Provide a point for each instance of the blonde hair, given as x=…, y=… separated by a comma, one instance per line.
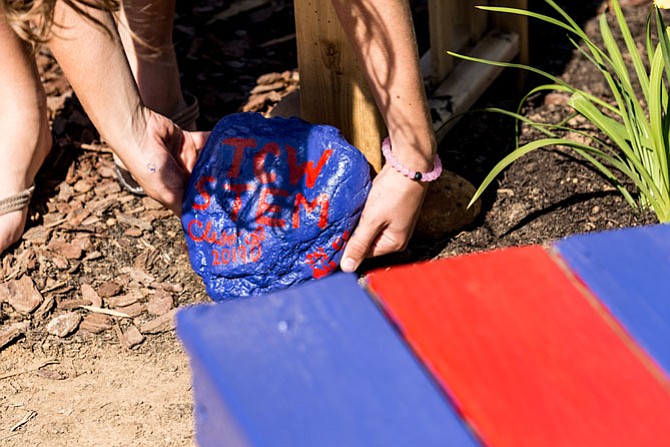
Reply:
x=33, y=20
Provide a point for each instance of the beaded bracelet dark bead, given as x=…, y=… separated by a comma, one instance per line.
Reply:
x=414, y=175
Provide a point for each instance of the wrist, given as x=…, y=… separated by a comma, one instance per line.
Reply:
x=416, y=150
x=414, y=174
x=128, y=132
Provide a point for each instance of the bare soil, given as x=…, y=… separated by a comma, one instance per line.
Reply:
x=91, y=378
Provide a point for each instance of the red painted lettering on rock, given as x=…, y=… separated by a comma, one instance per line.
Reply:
x=321, y=201
x=320, y=263
x=237, y=202
x=265, y=207
x=296, y=171
x=200, y=187
x=239, y=144
x=259, y=163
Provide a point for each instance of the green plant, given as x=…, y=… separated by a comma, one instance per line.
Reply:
x=633, y=133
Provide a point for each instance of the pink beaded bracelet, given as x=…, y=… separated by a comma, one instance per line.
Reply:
x=414, y=175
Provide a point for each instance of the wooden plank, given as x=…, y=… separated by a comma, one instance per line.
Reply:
x=459, y=44
x=333, y=87
x=441, y=24
x=526, y=356
x=514, y=23
x=478, y=20
x=628, y=271
x=314, y=365
x=469, y=80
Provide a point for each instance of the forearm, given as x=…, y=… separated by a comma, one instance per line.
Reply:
x=382, y=35
x=93, y=61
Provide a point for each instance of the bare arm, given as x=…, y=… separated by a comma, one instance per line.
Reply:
x=382, y=35
x=157, y=153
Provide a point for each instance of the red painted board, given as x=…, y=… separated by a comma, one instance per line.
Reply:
x=526, y=356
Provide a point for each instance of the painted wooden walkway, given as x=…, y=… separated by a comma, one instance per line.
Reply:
x=527, y=346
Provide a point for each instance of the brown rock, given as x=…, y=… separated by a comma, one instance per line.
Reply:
x=89, y=293
x=132, y=310
x=175, y=288
x=83, y=185
x=131, y=221
x=69, y=250
x=132, y=337
x=122, y=300
x=107, y=187
x=77, y=215
x=37, y=235
x=73, y=304
x=92, y=256
x=262, y=88
x=133, y=232
x=151, y=204
x=60, y=262
x=445, y=207
x=44, y=308
x=63, y=325
x=161, y=303
x=83, y=241
x=152, y=215
x=98, y=206
x=51, y=374
x=269, y=78
x=556, y=99
x=139, y=275
x=21, y=294
x=109, y=289
x=65, y=192
x=163, y=323
x=11, y=332
x=96, y=323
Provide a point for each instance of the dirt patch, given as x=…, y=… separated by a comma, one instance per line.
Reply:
x=113, y=267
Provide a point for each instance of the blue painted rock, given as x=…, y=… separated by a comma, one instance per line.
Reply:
x=271, y=203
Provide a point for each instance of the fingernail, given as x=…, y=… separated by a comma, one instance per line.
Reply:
x=348, y=265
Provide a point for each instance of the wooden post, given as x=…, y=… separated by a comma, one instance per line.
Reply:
x=441, y=15
x=333, y=88
x=478, y=20
x=515, y=23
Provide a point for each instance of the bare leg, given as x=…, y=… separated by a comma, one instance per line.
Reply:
x=151, y=53
x=24, y=127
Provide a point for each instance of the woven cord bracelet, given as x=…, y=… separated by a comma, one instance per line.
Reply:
x=414, y=175
x=17, y=201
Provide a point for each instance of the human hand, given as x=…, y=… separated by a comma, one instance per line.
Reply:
x=162, y=158
x=388, y=218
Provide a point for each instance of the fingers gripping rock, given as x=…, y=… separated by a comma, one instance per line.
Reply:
x=271, y=203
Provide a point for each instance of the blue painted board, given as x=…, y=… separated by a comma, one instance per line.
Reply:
x=629, y=272
x=313, y=365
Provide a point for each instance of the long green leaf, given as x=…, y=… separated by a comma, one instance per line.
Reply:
x=640, y=70
x=658, y=163
x=590, y=112
x=614, y=53
x=534, y=15
x=641, y=137
x=648, y=40
x=663, y=39
x=604, y=123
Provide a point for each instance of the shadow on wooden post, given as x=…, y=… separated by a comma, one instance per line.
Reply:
x=333, y=88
